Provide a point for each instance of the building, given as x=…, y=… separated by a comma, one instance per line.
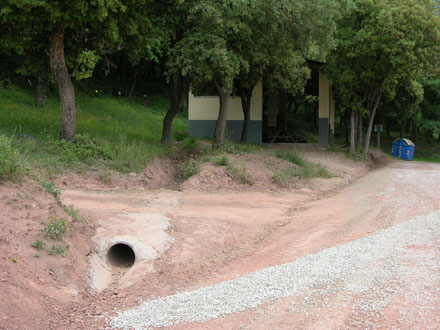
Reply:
x=203, y=112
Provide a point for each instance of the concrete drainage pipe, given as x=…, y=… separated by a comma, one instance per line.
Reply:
x=121, y=255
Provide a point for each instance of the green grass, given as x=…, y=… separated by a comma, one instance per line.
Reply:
x=191, y=167
x=10, y=164
x=304, y=170
x=125, y=133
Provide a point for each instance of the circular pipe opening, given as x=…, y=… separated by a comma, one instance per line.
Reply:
x=121, y=255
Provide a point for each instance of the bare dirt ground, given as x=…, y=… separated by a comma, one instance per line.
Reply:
x=210, y=230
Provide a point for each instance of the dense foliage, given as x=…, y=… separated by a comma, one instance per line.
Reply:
x=383, y=46
x=381, y=54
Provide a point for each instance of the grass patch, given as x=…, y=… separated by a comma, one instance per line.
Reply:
x=291, y=157
x=357, y=156
x=231, y=147
x=222, y=160
x=73, y=212
x=427, y=150
x=50, y=188
x=304, y=170
x=10, y=167
x=239, y=174
x=57, y=250
x=105, y=176
x=191, y=167
x=113, y=133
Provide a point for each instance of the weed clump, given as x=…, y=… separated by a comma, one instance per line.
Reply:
x=56, y=228
x=38, y=245
x=59, y=250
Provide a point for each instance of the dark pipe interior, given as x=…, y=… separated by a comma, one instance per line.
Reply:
x=121, y=255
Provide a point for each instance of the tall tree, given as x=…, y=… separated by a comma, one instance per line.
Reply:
x=73, y=34
x=173, y=22
x=209, y=51
x=380, y=44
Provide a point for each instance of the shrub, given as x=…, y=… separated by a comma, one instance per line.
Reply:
x=10, y=168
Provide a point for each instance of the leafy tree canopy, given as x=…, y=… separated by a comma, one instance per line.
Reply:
x=382, y=43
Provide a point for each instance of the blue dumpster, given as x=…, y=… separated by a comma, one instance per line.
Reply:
x=403, y=148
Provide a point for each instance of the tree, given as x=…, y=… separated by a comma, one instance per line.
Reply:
x=382, y=43
x=284, y=33
x=402, y=108
x=430, y=108
x=209, y=51
x=73, y=34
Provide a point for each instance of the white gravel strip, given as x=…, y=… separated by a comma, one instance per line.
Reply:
x=270, y=284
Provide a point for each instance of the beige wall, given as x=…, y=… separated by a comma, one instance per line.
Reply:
x=206, y=107
x=324, y=96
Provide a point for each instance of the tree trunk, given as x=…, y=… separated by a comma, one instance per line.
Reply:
x=356, y=127
x=370, y=124
x=246, y=95
x=283, y=110
x=133, y=85
x=65, y=87
x=39, y=94
x=346, y=134
x=178, y=92
x=360, y=127
x=402, y=128
x=352, y=132
x=414, y=130
x=219, y=133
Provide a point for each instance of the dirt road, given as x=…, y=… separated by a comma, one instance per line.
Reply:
x=394, y=283
x=357, y=251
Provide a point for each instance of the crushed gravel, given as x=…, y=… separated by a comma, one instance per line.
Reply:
x=379, y=266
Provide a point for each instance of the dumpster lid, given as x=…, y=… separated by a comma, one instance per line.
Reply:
x=407, y=141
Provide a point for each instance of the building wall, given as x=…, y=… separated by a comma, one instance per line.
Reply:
x=203, y=114
x=326, y=112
